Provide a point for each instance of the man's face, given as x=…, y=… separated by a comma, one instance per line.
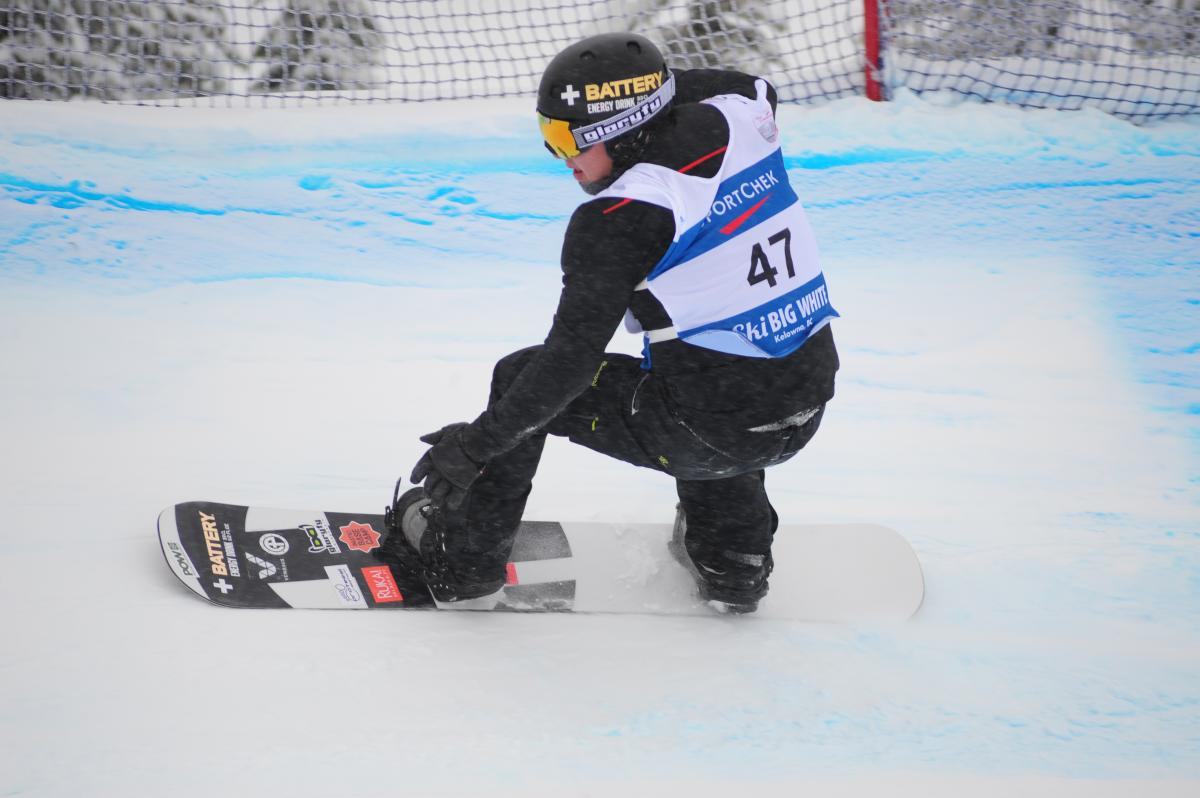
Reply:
x=591, y=166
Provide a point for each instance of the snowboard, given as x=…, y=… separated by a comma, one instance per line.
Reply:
x=256, y=557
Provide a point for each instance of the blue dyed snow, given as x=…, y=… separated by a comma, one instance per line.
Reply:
x=862, y=155
x=514, y=216
x=72, y=196
x=413, y=219
x=302, y=275
x=441, y=192
x=316, y=182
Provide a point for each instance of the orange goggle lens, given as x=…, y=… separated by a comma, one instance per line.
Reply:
x=557, y=134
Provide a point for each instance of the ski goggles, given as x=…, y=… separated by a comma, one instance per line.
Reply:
x=557, y=137
x=564, y=141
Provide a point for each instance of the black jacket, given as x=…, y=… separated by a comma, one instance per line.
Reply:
x=608, y=251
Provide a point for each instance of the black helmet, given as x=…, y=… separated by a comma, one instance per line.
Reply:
x=601, y=88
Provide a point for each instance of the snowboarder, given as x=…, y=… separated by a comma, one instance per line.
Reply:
x=695, y=237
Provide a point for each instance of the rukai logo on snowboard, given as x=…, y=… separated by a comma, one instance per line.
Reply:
x=382, y=584
x=359, y=537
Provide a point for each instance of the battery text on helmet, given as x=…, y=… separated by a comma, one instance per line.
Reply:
x=627, y=87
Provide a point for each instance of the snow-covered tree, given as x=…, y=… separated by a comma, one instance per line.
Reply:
x=1160, y=27
x=730, y=34
x=1084, y=30
x=973, y=29
x=113, y=49
x=175, y=48
x=320, y=45
x=44, y=54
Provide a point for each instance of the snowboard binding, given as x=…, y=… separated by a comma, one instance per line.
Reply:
x=415, y=542
x=729, y=582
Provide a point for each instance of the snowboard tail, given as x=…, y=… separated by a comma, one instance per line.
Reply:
x=254, y=557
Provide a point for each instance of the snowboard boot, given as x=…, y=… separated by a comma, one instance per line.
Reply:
x=730, y=581
x=417, y=536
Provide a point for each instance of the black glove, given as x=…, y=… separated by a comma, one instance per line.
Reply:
x=446, y=468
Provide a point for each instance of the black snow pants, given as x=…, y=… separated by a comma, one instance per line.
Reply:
x=627, y=414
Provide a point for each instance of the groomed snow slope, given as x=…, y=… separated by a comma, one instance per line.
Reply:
x=268, y=306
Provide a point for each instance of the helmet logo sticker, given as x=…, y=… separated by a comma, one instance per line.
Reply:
x=570, y=95
x=623, y=88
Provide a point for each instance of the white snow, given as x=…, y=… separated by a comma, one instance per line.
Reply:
x=268, y=306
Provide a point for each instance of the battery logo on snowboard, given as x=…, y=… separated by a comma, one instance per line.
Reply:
x=218, y=543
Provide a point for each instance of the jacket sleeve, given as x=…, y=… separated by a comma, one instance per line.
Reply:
x=604, y=257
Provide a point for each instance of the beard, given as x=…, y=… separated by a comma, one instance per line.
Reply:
x=624, y=151
x=596, y=186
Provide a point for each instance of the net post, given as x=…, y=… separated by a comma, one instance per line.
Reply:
x=874, y=59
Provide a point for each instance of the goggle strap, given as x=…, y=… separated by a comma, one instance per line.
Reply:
x=621, y=123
